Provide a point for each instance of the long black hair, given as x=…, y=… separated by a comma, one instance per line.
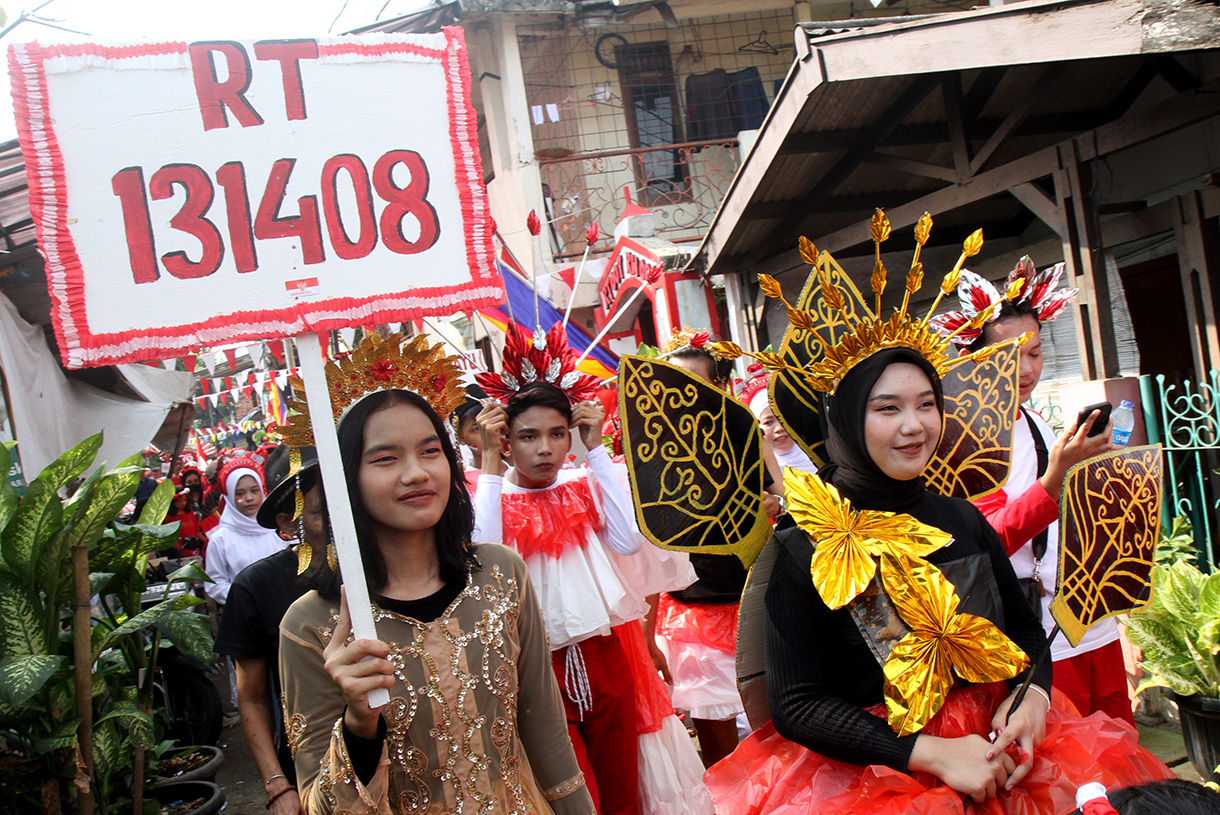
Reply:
x=456, y=523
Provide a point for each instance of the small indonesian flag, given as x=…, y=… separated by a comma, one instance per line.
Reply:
x=303, y=288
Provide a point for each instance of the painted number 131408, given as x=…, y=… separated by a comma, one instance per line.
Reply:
x=352, y=235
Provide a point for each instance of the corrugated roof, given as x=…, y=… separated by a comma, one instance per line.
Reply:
x=16, y=227
x=863, y=120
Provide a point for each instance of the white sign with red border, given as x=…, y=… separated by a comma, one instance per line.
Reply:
x=189, y=194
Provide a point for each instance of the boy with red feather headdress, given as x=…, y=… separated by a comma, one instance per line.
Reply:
x=575, y=529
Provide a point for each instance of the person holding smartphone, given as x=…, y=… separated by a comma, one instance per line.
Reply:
x=1025, y=512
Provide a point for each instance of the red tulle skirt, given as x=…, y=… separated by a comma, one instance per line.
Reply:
x=769, y=774
x=652, y=703
x=713, y=626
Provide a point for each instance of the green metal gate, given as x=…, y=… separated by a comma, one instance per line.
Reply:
x=1185, y=418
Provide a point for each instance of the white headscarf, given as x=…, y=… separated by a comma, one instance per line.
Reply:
x=234, y=518
x=759, y=403
x=796, y=458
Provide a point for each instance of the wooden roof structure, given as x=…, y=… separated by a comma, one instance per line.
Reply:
x=985, y=118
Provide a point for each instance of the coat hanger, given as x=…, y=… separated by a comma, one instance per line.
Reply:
x=575, y=100
x=603, y=94
x=760, y=45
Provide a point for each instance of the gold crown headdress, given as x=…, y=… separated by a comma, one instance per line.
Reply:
x=847, y=331
x=378, y=365
x=375, y=365
x=684, y=336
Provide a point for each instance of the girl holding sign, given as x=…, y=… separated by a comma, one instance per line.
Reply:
x=475, y=719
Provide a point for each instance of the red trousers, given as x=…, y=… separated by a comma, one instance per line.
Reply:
x=605, y=735
x=1097, y=680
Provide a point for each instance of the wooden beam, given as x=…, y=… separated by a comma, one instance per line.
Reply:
x=983, y=185
x=951, y=92
x=1129, y=93
x=1086, y=266
x=1158, y=120
x=1175, y=73
x=901, y=104
x=1015, y=116
x=1135, y=128
x=1135, y=226
x=1174, y=113
x=1040, y=204
x=982, y=89
x=906, y=165
x=937, y=133
x=1195, y=276
x=766, y=210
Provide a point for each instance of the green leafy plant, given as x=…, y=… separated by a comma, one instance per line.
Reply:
x=40, y=755
x=1178, y=543
x=1179, y=631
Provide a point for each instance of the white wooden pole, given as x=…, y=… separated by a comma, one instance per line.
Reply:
x=343, y=527
x=567, y=312
x=609, y=323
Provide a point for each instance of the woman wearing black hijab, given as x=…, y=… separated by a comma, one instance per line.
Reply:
x=829, y=748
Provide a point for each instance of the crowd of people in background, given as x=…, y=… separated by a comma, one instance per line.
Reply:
x=542, y=656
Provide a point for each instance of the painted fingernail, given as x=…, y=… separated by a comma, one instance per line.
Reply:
x=990, y=755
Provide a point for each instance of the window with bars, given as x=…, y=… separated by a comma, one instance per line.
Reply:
x=649, y=108
x=653, y=117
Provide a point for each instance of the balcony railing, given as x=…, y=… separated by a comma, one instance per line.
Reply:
x=682, y=184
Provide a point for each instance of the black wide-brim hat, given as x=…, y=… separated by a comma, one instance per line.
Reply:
x=278, y=475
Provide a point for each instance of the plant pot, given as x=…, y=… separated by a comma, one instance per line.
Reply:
x=205, y=772
x=1200, y=717
x=210, y=796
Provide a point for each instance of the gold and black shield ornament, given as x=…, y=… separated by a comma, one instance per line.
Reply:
x=694, y=455
x=975, y=452
x=1109, y=523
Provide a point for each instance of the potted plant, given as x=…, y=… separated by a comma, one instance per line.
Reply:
x=198, y=762
x=76, y=687
x=1179, y=635
x=188, y=798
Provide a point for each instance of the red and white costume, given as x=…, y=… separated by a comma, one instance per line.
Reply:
x=578, y=538
x=1092, y=674
x=699, y=641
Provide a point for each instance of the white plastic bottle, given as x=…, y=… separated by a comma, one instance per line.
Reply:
x=1124, y=422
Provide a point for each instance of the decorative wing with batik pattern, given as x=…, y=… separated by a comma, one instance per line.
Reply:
x=694, y=455
x=1109, y=523
x=975, y=452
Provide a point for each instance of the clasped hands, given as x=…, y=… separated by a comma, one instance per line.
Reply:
x=980, y=768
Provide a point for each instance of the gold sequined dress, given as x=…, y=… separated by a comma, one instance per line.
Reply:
x=475, y=722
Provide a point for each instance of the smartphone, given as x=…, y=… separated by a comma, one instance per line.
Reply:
x=1099, y=424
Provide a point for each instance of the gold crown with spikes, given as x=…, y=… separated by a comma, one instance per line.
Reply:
x=375, y=365
x=378, y=365
x=683, y=337
x=847, y=331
